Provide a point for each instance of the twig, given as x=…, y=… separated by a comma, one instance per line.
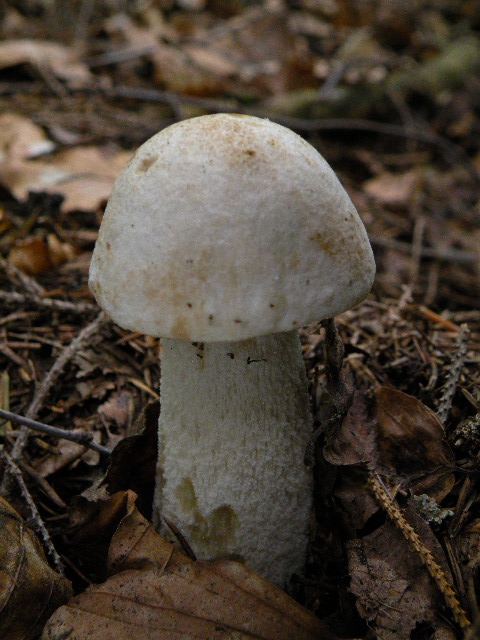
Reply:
x=446, y=255
x=340, y=392
x=454, y=371
x=82, y=22
x=180, y=537
x=44, y=486
x=52, y=376
x=117, y=56
x=76, y=435
x=5, y=400
x=417, y=247
x=436, y=572
x=30, y=285
x=80, y=308
x=433, y=317
x=37, y=522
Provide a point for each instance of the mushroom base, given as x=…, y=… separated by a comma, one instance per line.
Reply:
x=234, y=425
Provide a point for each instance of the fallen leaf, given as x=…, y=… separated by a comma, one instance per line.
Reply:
x=133, y=461
x=355, y=500
x=394, y=591
x=31, y=256
x=66, y=453
x=34, y=255
x=93, y=519
x=21, y=139
x=44, y=56
x=155, y=592
x=411, y=440
x=118, y=409
x=84, y=176
x=30, y=590
x=393, y=189
x=59, y=252
x=176, y=71
x=354, y=442
x=468, y=554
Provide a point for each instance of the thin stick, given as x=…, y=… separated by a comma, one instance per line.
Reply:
x=52, y=376
x=37, y=522
x=445, y=255
x=181, y=538
x=30, y=285
x=48, y=303
x=81, y=437
x=411, y=536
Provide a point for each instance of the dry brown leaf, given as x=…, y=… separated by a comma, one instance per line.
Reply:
x=411, y=440
x=355, y=500
x=133, y=461
x=264, y=52
x=402, y=438
x=118, y=409
x=394, y=591
x=45, y=57
x=34, y=255
x=59, y=252
x=21, y=139
x=467, y=548
x=173, y=68
x=393, y=189
x=29, y=589
x=84, y=176
x=65, y=455
x=31, y=256
x=176, y=71
x=354, y=442
x=155, y=592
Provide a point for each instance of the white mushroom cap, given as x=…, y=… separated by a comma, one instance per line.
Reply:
x=226, y=227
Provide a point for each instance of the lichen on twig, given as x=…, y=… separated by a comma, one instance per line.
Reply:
x=450, y=386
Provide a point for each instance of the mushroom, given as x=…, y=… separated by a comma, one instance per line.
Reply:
x=222, y=236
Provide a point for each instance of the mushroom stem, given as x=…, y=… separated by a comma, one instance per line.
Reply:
x=234, y=425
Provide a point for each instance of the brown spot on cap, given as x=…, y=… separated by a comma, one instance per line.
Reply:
x=146, y=163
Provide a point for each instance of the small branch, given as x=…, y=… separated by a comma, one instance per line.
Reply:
x=28, y=283
x=340, y=392
x=180, y=537
x=67, y=354
x=81, y=437
x=80, y=308
x=445, y=255
x=411, y=536
x=117, y=56
x=37, y=522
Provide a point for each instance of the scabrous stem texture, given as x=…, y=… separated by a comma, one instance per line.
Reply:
x=234, y=426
